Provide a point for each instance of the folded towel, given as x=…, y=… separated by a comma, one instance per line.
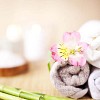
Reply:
x=94, y=84
x=90, y=33
x=69, y=80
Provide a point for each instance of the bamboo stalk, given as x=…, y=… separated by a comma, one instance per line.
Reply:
x=47, y=97
x=9, y=97
x=18, y=92
x=15, y=92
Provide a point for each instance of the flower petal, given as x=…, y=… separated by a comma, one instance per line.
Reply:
x=71, y=39
x=82, y=61
x=66, y=36
x=54, y=52
x=57, y=58
x=83, y=46
x=76, y=36
x=53, y=48
x=77, y=60
x=71, y=35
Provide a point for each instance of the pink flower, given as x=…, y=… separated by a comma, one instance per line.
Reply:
x=72, y=40
x=71, y=50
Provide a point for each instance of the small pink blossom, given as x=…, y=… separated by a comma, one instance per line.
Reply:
x=71, y=50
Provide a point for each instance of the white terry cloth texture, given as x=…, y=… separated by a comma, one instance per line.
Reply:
x=70, y=80
x=94, y=84
x=90, y=33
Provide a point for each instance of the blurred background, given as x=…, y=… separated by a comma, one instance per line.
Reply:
x=54, y=17
x=30, y=27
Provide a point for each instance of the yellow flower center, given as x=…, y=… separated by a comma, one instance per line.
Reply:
x=79, y=49
x=63, y=51
x=72, y=51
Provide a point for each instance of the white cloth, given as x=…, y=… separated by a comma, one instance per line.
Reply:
x=90, y=33
x=69, y=80
x=94, y=84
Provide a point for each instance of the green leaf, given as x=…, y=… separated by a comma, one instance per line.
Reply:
x=49, y=59
x=49, y=66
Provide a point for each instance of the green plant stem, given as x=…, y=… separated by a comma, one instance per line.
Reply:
x=49, y=66
x=27, y=95
x=18, y=93
x=47, y=97
x=9, y=97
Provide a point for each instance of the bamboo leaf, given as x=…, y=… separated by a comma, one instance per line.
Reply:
x=49, y=59
x=49, y=66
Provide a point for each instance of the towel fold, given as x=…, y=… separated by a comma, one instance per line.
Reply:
x=69, y=80
x=90, y=33
x=94, y=84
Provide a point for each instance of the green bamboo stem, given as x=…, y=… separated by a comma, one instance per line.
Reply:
x=9, y=97
x=47, y=97
x=27, y=95
x=19, y=93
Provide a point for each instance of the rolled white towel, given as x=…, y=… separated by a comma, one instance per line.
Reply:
x=94, y=84
x=69, y=80
x=90, y=33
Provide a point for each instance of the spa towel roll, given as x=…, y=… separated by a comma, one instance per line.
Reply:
x=94, y=84
x=69, y=80
x=90, y=33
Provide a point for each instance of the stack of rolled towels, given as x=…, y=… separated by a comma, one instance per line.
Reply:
x=76, y=82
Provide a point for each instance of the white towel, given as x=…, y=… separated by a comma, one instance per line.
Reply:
x=90, y=33
x=94, y=84
x=69, y=80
